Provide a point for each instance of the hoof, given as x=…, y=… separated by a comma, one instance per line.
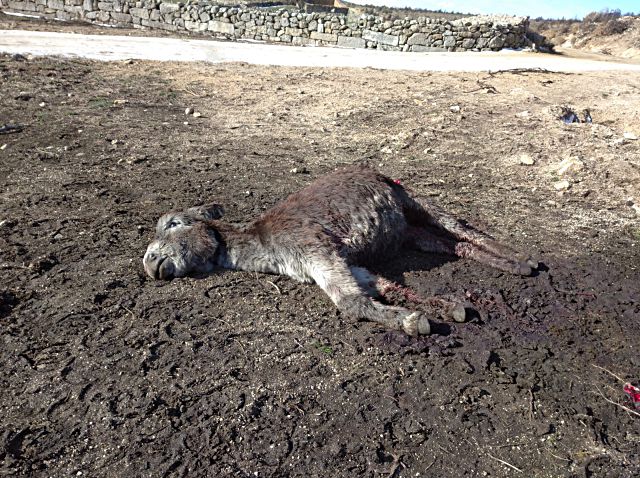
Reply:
x=458, y=313
x=416, y=324
x=533, y=264
x=524, y=269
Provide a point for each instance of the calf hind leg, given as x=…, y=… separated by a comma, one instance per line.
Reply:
x=513, y=266
x=427, y=241
x=464, y=241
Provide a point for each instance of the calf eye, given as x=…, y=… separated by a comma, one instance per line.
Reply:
x=172, y=224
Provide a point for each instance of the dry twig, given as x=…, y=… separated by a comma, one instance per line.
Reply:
x=192, y=92
x=431, y=464
x=532, y=407
x=560, y=458
x=277, y=288
x=505, y=463
x=609, y=372
x=627, y=409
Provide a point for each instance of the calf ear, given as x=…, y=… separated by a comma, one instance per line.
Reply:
x=208, y=211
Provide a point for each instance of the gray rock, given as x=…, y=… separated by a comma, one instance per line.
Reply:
x=562, y=185
x=526, y=159
x=420, y=48
x=74, y=10
x=121, y=17
x=570, y=165
x=65, y=16
x=449, y=42
x=468, y=43
x=169, y=7
x=104, y=6
x=302, y=41
x=381, y=38
x=351, y=42
x=418, y=39
x=496, y=42
x=139, y=12
x=328, y=37
x=221, y=27
x=294, y=32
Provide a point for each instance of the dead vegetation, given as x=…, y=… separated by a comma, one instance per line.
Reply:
x=608, y=32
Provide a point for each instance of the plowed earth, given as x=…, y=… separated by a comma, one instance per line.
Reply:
x=106, y=372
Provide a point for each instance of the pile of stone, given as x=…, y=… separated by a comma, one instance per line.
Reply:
x=292, y=26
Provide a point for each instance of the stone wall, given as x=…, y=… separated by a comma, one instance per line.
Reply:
x=288, y=25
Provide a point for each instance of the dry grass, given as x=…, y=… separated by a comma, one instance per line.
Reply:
x=606, y=32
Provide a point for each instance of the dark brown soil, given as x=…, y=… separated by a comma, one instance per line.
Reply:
x=108, y=373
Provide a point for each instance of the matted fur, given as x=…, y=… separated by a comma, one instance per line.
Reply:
x=326, y=233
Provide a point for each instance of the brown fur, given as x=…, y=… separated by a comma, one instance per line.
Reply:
x=325, y=234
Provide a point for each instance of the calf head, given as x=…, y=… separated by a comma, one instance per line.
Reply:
x=185, y=242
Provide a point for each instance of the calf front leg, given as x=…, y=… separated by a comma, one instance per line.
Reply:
x=334, y=277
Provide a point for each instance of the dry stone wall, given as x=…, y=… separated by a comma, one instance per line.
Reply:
x=287, y=25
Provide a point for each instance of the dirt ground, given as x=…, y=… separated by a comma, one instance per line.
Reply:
x=108, y=373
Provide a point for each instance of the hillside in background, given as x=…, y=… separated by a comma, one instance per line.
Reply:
x=606, y=32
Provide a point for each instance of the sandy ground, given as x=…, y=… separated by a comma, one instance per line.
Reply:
x=106, y=373
x=113, y=47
